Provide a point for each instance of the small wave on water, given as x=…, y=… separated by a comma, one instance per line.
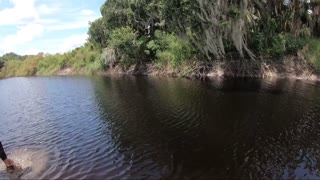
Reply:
x=29, y=162
x=160, y=128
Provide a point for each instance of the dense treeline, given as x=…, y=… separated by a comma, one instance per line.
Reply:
x=170, y=33
x=175, y=31
x=82, y=60
x=10, y=56
x=17, y=65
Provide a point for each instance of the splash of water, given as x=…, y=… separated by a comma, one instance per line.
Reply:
x=30, y=163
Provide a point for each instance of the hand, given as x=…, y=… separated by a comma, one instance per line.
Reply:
x=8, y=162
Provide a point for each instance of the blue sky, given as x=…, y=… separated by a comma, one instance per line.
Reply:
x=49, y=26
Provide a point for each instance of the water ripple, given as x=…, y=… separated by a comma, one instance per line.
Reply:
x=158, y=128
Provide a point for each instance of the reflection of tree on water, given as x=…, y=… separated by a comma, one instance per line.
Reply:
x=145, y=115
x=184, y=128
x=284, y=133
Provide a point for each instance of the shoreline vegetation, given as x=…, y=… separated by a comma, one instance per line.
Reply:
x=190, y=38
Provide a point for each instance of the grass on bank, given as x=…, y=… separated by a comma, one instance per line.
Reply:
x=84, y=60
x=314, y=53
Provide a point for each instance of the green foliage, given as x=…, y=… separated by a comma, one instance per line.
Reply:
x=128, y=26
x=27, y=67
x=277, y=44
x=98, y=35
x=123, y=38
x=137, y=14
x=10, y=56
x=314, y=52
x=169, y=49
x=294, y=44
x=171, y=32
x=10, y=68
x=51, y=64
x=126, y=41
x=180, y=15
x=265, y=28
x=269, y=37
x=85, y=59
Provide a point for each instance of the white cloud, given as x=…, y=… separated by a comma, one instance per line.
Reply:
x=72, y=42
x=24, y=35
x=66, y=26
x=47, y=21
x=87, y=12
x=30, y=51
x=45, y=9
x=28, y=20
x=81, y=22
x=22, y=11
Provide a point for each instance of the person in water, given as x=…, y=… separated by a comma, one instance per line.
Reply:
x=3, y=156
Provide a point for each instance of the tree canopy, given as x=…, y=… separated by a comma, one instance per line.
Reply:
x=215, y=29
x=10, y=56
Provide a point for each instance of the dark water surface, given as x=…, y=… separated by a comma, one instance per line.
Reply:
x=152, y=128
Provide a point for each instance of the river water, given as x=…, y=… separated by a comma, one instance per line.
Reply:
x=150, y=128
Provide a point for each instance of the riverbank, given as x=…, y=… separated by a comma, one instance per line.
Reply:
x=292, y=67
x=289, y=67
x=302, y=65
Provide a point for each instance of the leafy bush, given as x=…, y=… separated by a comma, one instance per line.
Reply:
x=10, y=68
x=277, y=44
x=11, y=56
x=27, y=67
x=51, y=64
x=85, y=59
x=314, y=52
x=126, y=41
x=169, y=49
x=294, y=44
